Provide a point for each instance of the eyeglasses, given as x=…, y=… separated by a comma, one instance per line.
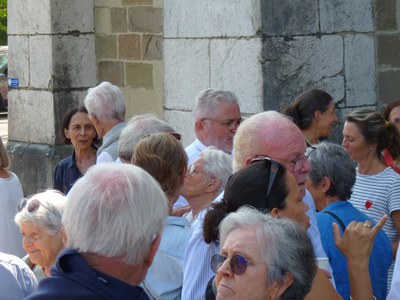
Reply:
x=299, y=162
x=176, y=135
x=33, y=205
x=395, y=121
x=238, y=263
x=192, y=170
x=232, y=123
x=272, y=171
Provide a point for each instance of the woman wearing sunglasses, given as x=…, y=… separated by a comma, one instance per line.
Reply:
x=39, y=219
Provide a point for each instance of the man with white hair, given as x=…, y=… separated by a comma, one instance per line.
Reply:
x=267, y=134
x=138, y=127
x=206, y=179
x=106, y=110
x=113, y=222
x=216, y=119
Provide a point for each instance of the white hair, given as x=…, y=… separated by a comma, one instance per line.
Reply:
x=217, y=164
x=106, y=102
x=138, y=127
x=206, y=102
x=285, y=248
x=48, y=214
x=115, y=210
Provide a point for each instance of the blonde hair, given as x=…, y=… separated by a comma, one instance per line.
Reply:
x=4, y=159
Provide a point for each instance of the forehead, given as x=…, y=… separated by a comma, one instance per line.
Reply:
x=243, y=240
x=79, y=117
x=227, y=110
x=199, y=161
x=287, y=144
x=350, y=128
x=395, y=113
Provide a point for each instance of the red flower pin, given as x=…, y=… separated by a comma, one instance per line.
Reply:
x=368, y=204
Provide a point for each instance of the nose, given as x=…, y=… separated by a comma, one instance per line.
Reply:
x=306, y=167
x=344, y=143
x=225, y=269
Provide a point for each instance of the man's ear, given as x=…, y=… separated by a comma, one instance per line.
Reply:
x=274, y=212
x=213, y=185
x=281, y=285
x=153, y=249
x=247, y=160
x=198, y=125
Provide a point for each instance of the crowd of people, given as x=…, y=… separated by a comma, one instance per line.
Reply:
x=261, y=208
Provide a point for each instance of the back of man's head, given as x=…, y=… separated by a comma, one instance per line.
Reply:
x=138, y=127
x=115, y=210
x=106, y=102
x=206, y=103
x=266, y=134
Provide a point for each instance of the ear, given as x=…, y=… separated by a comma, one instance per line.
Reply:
x=275, y=212
x=325, y=184
x=213, y=185
x=63, y=237
x=153, y=250
x=66, y=132
x=281, y=285
x=247, y=161
x=317, y=115
x=198, y=125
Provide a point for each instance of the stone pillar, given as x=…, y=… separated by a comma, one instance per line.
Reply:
x=210, y=44
x=52, y=53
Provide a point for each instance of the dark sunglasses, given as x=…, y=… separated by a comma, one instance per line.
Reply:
x=272, y=171
x=176, y=135
x=238, y=263
x=32, y=206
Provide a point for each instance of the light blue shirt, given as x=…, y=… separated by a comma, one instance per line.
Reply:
x=165, y=276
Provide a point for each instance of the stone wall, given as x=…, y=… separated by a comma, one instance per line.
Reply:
x=129, y=51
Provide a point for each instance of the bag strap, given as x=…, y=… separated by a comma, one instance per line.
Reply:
x=337, y=219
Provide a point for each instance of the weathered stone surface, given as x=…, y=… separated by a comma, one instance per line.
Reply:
x=18, y=59
x=360, y=70
x=182, y=122
x=289, y=67
x=118, y=20
x=137, y=2
x=186, y=70
x=143, y=101
x=231, y=62
x=34, y=164
x=70, y=61
x=102, y=20
x=341, y=15
x=112, y=71
x=139, y=75
x=108, y=3
x=129, y=46
x=388, y=85
x=152, y=47
x=386, y=14
x=29, y=17
x=71, y=16
x=290, y=17
x=145, y=19
x=205, y=18
x=388, y=50
x=106, y=47
x=32, y=118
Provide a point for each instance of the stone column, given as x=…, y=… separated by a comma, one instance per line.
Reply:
x=52, y=53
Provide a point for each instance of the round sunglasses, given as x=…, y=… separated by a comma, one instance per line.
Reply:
x=33, y=205
x=238, y=263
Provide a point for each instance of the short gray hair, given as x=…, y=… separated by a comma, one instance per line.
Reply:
x=217, y=164
x=49, y=213
x=134, y=131
x=285, y=248
x=106, y=102
x=334, y=162
x=207, y=101
x=115, y=210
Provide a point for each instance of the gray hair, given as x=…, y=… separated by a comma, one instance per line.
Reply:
x=285, y=248
x=49, y=213
x=115, y=210
x=334, y=162
x=217, y=164
x=106, y=102
x=207, y=101
x=138, y=127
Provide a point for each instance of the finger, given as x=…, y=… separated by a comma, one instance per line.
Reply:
x=379, y=225
x=336, y=233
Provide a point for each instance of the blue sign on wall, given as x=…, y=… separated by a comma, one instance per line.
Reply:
x=13, y=82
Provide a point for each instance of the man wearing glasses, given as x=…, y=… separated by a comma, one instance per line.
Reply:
x=267, y=134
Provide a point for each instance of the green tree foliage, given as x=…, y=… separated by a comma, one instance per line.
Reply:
x=3, y=22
